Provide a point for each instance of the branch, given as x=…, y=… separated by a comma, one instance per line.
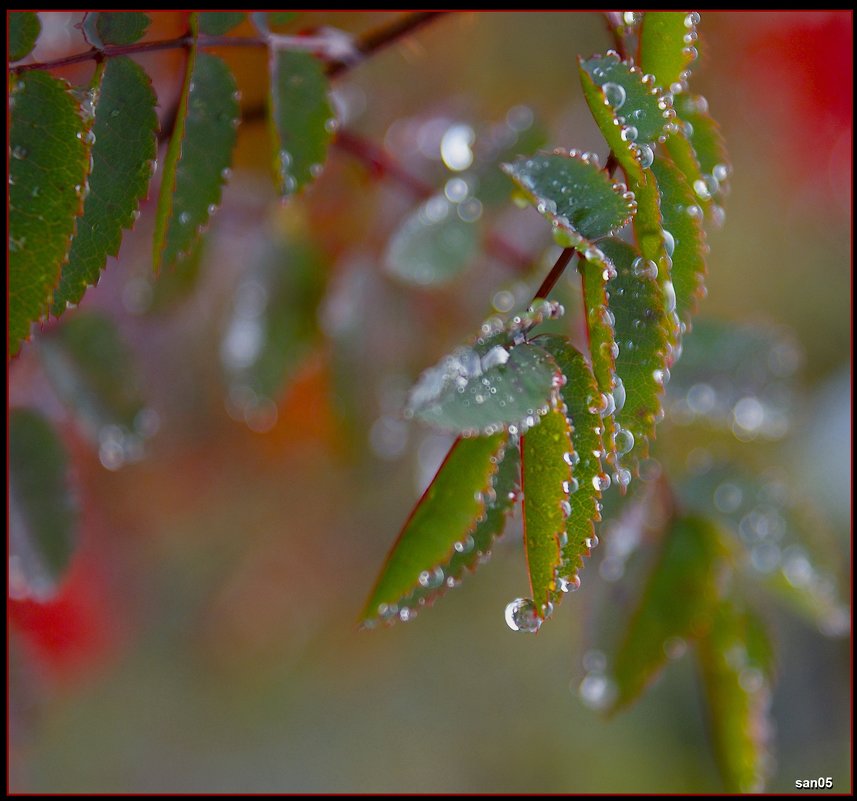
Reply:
x=365, y=45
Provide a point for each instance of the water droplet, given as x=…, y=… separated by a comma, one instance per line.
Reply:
x=19, y=152
x=721, y=172
x=669, y=243
x=184, y=218
x=701, y=189
x=644, y=268
x=212, y=208
x=624, y=441
x=466, y=545
x=601, y=482
x=619, y=395
x=521, y=615
x=691, y=19
x=622, y=477
x=629, y=134
x=614, y=94
x=646, y=156
x=669, y=296
x=430, y=579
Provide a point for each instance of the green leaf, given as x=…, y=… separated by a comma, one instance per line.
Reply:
x=709, y=149
x=48, y=165
x=24, y=30
x=620, y=138
x=667, y=48
x=273, y=324
x=639, y=104
x=641, y=331
x=114, y=27
x=545, y=482
x=42, y=510
x=737, y=377
x=682, y=217
x=737, y=667
x=92, y=371
x=442, y=524
x=657, y=246
x=587, y=474
x=679, y=600
x=301, y=119
x=198, y=158
x=123, y=154
x=433, y=245
x=469, y=393
x=217, y=23
x=571, y=191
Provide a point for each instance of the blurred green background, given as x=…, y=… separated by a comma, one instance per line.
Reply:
x=206, y=638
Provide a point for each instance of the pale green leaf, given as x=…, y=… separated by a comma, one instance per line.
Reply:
x=471, y=393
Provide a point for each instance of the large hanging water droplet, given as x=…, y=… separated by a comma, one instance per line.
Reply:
x=521, y=615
